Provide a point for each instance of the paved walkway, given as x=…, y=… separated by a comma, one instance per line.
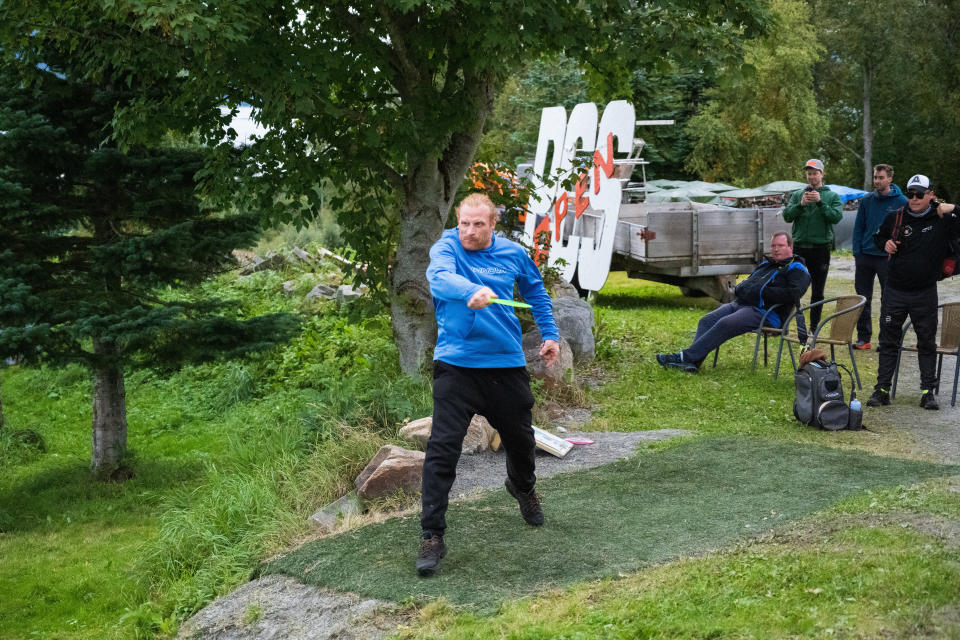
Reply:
x=938, y=432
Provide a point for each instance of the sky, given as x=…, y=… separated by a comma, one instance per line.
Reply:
x=244, y=125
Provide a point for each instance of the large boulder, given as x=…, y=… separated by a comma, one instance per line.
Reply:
x=417, y=431
x=272, y=261
x=478, y=437
x=326, y=518
x=479, y=434
x=560, y=372
x=574, y=318
x=321, y=291
x=563, y=289
x=390, y=469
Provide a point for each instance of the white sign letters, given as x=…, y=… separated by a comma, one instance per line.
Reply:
x=596, y=187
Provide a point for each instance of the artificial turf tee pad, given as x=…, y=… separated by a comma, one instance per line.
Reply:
x=697, y=496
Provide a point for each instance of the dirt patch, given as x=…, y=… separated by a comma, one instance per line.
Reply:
x=944, y=529
x=281, y=607
x=487, y=470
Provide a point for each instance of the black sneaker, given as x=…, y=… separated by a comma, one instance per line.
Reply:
x=929, y=401
x=529, y=504
x=674, y=361
x=880, y=397
x=432, y=550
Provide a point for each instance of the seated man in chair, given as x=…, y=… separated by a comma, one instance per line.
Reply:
x=782, y=278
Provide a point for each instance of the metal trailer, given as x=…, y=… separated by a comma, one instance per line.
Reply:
x=701, y=248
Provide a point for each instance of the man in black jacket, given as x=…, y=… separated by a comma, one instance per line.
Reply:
x=780, y=279
x=916, y=239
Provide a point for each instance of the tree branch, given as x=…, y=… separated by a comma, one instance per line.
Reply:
x=458, y=153
x=410, y=75
x=856, y=154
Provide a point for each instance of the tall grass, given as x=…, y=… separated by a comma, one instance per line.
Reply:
x=230, y=460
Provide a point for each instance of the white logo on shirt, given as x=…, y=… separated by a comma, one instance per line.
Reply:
x=488, y=270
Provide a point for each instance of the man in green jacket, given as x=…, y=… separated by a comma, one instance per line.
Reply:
x=813, y=212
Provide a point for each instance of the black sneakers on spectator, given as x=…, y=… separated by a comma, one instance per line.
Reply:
x=880, y=397
x=929, y=401
x=675, y=361
x=529, y=504
x=432, y=551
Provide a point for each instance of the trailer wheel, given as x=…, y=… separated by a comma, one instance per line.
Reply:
x=719, y=288
x=693, y=293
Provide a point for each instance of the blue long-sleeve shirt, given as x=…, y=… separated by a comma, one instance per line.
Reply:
x=873, y=210
x=488, y=337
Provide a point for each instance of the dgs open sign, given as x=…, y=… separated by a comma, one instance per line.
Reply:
x=549, y=205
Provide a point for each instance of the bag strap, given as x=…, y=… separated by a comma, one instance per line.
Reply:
x=897, y=225
x=853, y=386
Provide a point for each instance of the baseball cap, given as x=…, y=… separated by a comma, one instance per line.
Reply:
x=918, y=183
x=813, y=163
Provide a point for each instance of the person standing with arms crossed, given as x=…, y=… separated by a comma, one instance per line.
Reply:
x=479, y=366
x=813, y=212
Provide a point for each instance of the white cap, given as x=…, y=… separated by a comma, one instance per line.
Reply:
x=918, y=183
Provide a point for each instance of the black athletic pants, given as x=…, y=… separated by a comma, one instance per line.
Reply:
x=921, y=306
x=817, y=260
x=503, y=397
x=868, y=266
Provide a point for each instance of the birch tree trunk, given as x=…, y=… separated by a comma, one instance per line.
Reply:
x=867, y=127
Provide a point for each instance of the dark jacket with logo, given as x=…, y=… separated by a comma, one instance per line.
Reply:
x=773, y=283
x=873, y=210
x=923, y=244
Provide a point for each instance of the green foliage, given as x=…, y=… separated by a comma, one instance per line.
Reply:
x=510, y=134
x=18, y=447
x=671, y=96
x=604, y=339
x=231, y=460
x=95, y=238
x=762, y=121
x=322, y=231
x=871, y=54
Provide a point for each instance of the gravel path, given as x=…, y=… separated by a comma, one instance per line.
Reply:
x=937, y=432
x=486, y=470
x=277, y=607
x=280, y=608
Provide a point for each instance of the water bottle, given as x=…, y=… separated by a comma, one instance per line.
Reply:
x=856, y=414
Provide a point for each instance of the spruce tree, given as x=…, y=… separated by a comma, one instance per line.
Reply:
x=93, y=240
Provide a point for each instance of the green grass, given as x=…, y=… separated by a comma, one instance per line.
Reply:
x=648, y=318
x=231, y=458
x=860, y=582
x=875, y=565
x=700, y=495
